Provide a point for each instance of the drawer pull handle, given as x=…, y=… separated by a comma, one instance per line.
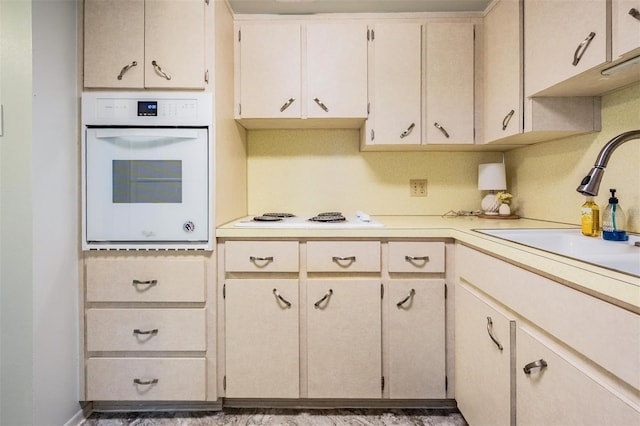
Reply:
x=582, y=47
x=541, y=363
x=149, y=283
x=255, y=259
x=413, y=259
x=159, y=70
x=442, y=129
x=126, y=68
x=490, y=331
x=326, y=296
x=634, y=12
x=146, y=332
x=339, y=259
x=321, y=104
x=409, y=296
x=282, y=299
x=287, y=104
x=145, y=382
x=507, y=119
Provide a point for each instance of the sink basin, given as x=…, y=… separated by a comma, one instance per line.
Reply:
x=621, y=256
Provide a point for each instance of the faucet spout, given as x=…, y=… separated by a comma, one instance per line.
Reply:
x=591, y=182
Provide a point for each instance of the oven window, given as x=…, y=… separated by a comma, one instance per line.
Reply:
x=147, y=181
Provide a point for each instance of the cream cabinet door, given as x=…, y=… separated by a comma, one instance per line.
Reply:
x=336, y=70
x=416, y=330
x=262, y=338
x=625, y=27
x=449, y=83
x=503, y=75
x=395, y=85
x=562, y=389
x=563, y=39
x=174, y=41
x=270, y=58
x=344, y=338
x=483, y=337
x=114, y=44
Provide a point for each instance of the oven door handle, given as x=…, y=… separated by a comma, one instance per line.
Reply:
x=132, y=134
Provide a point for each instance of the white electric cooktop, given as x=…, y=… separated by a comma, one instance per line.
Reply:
x=358, y=220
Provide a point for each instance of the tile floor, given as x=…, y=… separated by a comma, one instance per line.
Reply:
x=280, y=417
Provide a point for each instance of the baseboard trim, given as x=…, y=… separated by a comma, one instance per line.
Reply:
x=141, y=406
x=439, y=404
x=82, y=415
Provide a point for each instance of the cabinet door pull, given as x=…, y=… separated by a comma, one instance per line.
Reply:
x=266, y=260
x=145, y=382
x=326, y=296
x=282, y=299
x=541, y=363
x=408, y=131
x=148, y=283
x=287, y=104
x=442, y=129
x=344, y=261
x=146, y=332
x=321, y=104
x=490, y=331
x=635, y=13
x=582, y=47
x=413, y=259
x=159, y=70
x=409, y=296
x=126, y=68
x=507, y=119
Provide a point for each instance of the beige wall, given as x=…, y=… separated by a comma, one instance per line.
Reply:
x=543, y=177
x=307, y=171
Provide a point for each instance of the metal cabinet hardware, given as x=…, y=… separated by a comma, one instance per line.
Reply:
x=408, y=131
x=490, y=331
x=255, y=259
x=145, y=382
x=416, y=258
x=326, y=296
x=635, y=13
x=149, y=283
x=159, y=70
x=151, y=332
x=126, y=68
x=541, y=363
x=582, y=47
x=321, y=104
x=282, y=299
x=287, y=104
x=442, y=129
x=344, y=259
x=507, y=119
x=409, y=296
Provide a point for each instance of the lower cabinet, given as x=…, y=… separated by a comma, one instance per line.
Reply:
x=262, y=338
x=344, y=338
x=484, y=357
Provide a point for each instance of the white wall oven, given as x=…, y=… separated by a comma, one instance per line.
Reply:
x=147, y=168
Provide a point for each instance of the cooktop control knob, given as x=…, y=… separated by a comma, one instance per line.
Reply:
x=188, y=226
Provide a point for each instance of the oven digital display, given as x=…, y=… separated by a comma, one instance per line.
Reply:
x=147, y=108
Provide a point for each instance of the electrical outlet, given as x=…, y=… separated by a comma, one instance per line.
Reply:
x=418, y=187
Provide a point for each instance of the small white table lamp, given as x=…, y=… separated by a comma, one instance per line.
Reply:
x=491, y=177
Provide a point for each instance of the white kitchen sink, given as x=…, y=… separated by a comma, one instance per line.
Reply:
x=621, y=256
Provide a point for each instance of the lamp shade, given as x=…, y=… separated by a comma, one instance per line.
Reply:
x=491, y=176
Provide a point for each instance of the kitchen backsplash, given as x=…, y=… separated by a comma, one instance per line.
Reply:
x=307, y=171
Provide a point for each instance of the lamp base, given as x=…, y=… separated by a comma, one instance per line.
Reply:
x=490, y=204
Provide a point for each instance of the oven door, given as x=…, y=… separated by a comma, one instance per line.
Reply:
x=146, y=185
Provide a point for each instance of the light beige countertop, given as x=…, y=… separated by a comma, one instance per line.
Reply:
x=615, y=287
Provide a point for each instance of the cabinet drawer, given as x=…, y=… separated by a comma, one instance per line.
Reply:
x=145, y=280
x=261, y=256
x=160, y=379
x=343, y=256
x=146, y=330
x=408, y=256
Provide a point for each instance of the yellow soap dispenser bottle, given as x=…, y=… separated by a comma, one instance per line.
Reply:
x=590, y=218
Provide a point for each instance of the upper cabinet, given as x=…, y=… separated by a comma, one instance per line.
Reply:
x=136, y=44
x=625, y=28
x=292, y=70
x=562, y=39
x=449, y=77
x=395, y=75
